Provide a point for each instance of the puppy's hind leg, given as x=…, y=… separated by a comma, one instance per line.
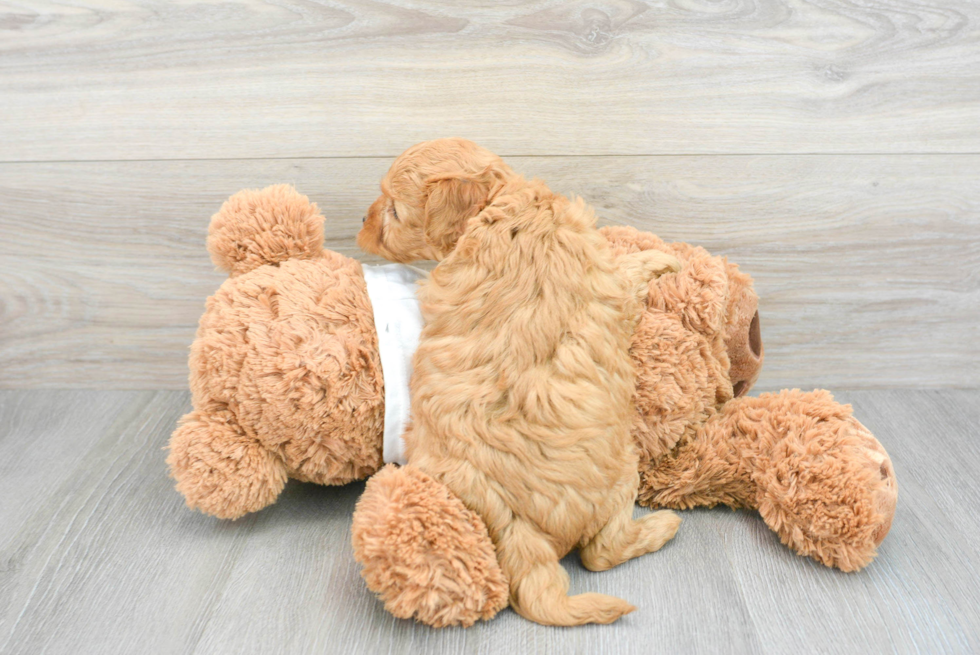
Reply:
x=622, y=538
x=539, y=585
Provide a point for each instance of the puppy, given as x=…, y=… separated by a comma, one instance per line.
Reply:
x=522, y=385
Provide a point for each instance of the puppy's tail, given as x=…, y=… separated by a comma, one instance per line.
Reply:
x=539, y=585
x=268, y=226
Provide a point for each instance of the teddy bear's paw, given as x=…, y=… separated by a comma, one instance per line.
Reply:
x=221, y=471
x=424, y=553
x=885, y=486
x=831, y=497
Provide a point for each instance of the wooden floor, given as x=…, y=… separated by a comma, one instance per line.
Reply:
x=99, y=555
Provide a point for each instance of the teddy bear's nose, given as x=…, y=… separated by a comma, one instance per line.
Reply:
x=755, y=336
x=745, y=353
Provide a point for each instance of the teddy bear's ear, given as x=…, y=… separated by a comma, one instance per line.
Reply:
x=699, y=292
x=268, y=226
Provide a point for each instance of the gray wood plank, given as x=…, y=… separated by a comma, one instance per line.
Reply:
x=121, y=79
x=300, y=561
x=106, y=559
x=922, y=592
x=43, y=436
x=109, y=562
x=868, y=266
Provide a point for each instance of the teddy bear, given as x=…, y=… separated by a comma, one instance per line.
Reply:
x=287, y=382
x=285, y=373
x=815, y=474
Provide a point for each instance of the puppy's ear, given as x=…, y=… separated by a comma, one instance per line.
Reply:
x=452, y=200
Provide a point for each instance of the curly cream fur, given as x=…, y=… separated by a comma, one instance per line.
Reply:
x=819, y=479
x=522, y=386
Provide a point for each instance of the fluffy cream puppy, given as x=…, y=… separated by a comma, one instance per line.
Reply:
x=522, y=383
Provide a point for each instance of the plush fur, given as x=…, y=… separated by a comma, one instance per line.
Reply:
x=522, y=386
x=817, y=476
x=431, y=556
x=294, y=338
x=284, y=372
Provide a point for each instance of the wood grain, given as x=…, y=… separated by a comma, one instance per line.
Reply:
x=119, y=79
x=99, y=555
x=109, y=536
x=831, y=148
x=868, y=266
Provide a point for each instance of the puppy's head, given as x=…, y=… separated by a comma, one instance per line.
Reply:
x=428, y=195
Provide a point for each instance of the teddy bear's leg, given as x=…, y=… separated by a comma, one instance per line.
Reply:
x=702, y=470
x=824, y=484
x=423, y=552
x=817, y=476
x=219, y=469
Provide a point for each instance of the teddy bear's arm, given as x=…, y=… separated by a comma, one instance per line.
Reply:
x=221, y=470
x=818, y=477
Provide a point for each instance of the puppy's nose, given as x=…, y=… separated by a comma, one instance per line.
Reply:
x=364, y=218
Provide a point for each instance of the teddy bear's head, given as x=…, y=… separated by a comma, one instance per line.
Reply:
x=697, y=345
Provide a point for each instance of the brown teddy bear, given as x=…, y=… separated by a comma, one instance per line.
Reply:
x=285, y=372
x=817, y=476
x=287, y=383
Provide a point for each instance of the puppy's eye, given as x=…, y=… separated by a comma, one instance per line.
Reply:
x=394, y=212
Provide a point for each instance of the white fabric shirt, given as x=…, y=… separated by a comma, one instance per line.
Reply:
x=391, y=289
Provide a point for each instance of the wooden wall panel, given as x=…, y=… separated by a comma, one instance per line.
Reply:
x=868, y=266
x=118, y=79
